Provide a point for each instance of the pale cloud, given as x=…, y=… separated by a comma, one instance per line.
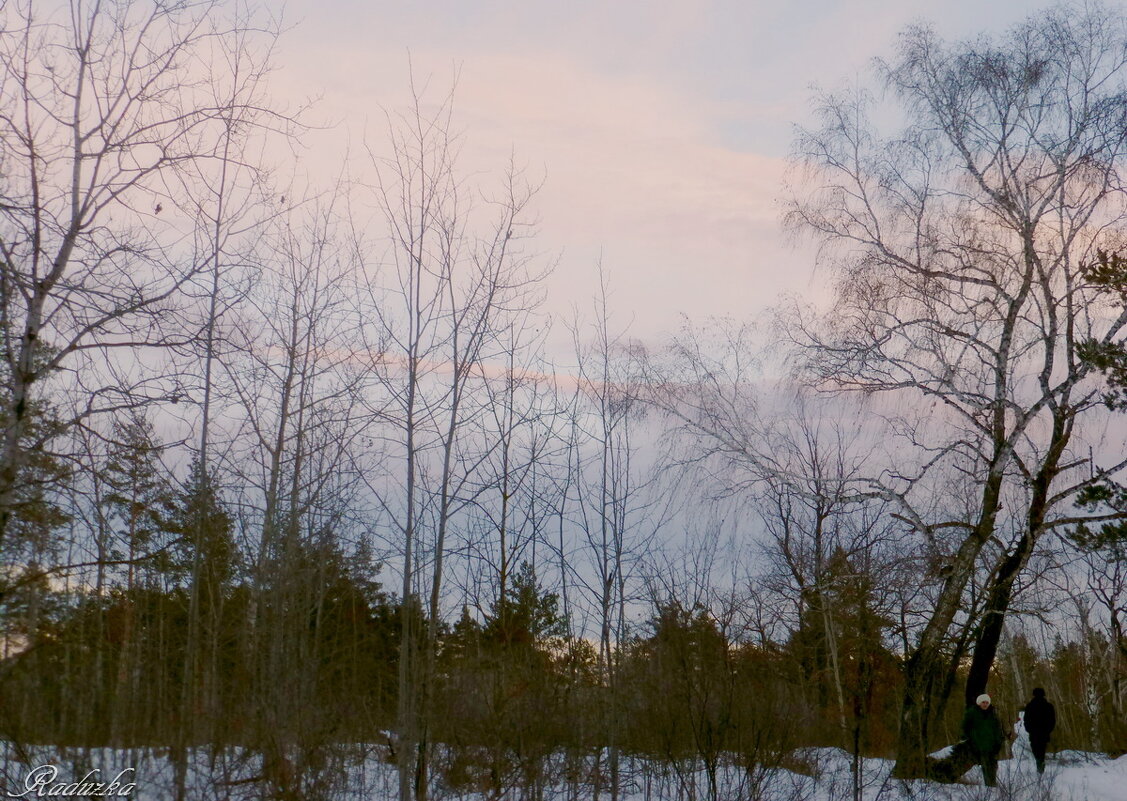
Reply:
x=661, y=133
x=635, y=171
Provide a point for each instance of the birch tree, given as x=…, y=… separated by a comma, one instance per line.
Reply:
x=956, y=246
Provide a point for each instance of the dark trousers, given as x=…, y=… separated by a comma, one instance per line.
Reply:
x=989, y=763
x=1038, y=744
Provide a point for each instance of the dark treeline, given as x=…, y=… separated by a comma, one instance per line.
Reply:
x=511, y=690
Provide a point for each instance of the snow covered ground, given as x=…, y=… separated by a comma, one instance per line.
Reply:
x=358, y=773
x=1069, y=776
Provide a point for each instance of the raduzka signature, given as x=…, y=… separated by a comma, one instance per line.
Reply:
x=42, y=782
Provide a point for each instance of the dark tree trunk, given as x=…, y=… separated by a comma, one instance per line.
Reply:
x=1000, y=591
x=994, y=618
x=925, y=669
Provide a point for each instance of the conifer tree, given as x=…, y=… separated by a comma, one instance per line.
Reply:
x=139, y=496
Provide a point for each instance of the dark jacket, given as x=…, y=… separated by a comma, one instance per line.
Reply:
x=1040, y=718
x=983, y=730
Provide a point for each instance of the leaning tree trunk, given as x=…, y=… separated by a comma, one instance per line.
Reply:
x=927, y=665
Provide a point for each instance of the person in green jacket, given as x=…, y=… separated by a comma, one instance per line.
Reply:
x=984, y=736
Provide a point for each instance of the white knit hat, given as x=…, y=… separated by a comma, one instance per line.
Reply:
x=981, y=698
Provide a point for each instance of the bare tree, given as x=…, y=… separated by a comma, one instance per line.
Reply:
x=107, y=107
x=614, y=515
x=801, y=466
x=292, y=367
x=457, y=280
x=957, y=245
x=1098, y=590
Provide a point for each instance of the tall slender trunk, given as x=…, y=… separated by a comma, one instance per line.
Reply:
x=407, y=711
x=445, y=502
x=185, y=730
x=405, y=714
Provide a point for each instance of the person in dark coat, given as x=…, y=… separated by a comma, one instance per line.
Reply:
x=1040, y=720
x=984, y=737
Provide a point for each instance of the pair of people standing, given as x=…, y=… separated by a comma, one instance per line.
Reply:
x=985, y=736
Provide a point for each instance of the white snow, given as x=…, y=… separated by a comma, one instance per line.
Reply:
x=362, y=773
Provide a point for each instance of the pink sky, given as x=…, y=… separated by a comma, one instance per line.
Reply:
x=661, y=129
